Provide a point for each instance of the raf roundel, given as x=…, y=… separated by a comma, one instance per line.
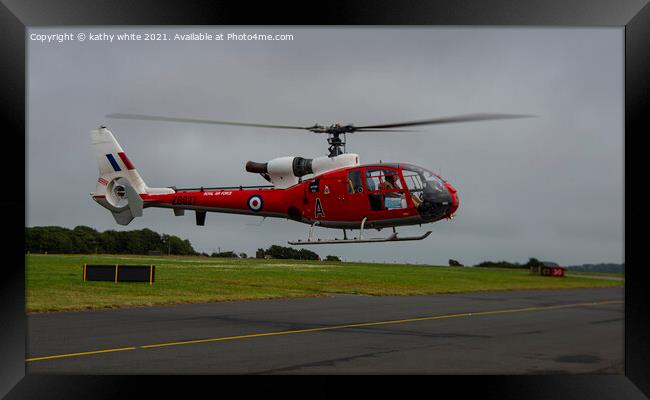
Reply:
x=255, y=203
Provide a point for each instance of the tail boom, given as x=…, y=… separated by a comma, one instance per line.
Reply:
x=260, y=202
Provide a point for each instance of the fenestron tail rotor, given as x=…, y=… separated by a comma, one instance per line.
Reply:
x=337, y=145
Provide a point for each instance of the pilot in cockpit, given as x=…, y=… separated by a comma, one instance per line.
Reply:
x=388, y=183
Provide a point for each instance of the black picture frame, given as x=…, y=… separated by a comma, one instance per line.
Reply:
x=16, y=15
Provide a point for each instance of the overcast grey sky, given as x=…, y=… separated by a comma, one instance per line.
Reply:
x=549, y=187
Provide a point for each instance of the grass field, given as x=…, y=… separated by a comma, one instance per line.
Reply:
x=55, y=282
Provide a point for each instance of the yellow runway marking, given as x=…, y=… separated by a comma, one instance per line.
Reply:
x=333, y=327
x=80, y=354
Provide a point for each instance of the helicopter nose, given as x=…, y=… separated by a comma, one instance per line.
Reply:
x=454, y=200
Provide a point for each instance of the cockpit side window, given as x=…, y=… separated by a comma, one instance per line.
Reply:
x=372, y=179
x=354, y=182
x=424, y=183
x=382, y=179
x=415, y=182
x=385, y=189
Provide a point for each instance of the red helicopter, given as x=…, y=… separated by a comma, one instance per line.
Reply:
x=333, y=191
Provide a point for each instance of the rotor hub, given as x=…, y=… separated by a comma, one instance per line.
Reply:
x=336, y=144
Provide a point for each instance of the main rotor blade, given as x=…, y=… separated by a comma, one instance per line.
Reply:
x=386, y=130
x=198, y=121
x=446, y=120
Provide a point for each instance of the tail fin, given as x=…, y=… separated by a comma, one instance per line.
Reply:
x=119, y=185
x=113, y=162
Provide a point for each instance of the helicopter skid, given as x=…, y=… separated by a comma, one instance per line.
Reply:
x=391, y=238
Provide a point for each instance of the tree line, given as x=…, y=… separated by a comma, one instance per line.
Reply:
x=603, y=267
x=86, y=240
x=532, y=262
x=286, y=253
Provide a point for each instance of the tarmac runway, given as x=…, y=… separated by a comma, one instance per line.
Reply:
x=509, y=332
